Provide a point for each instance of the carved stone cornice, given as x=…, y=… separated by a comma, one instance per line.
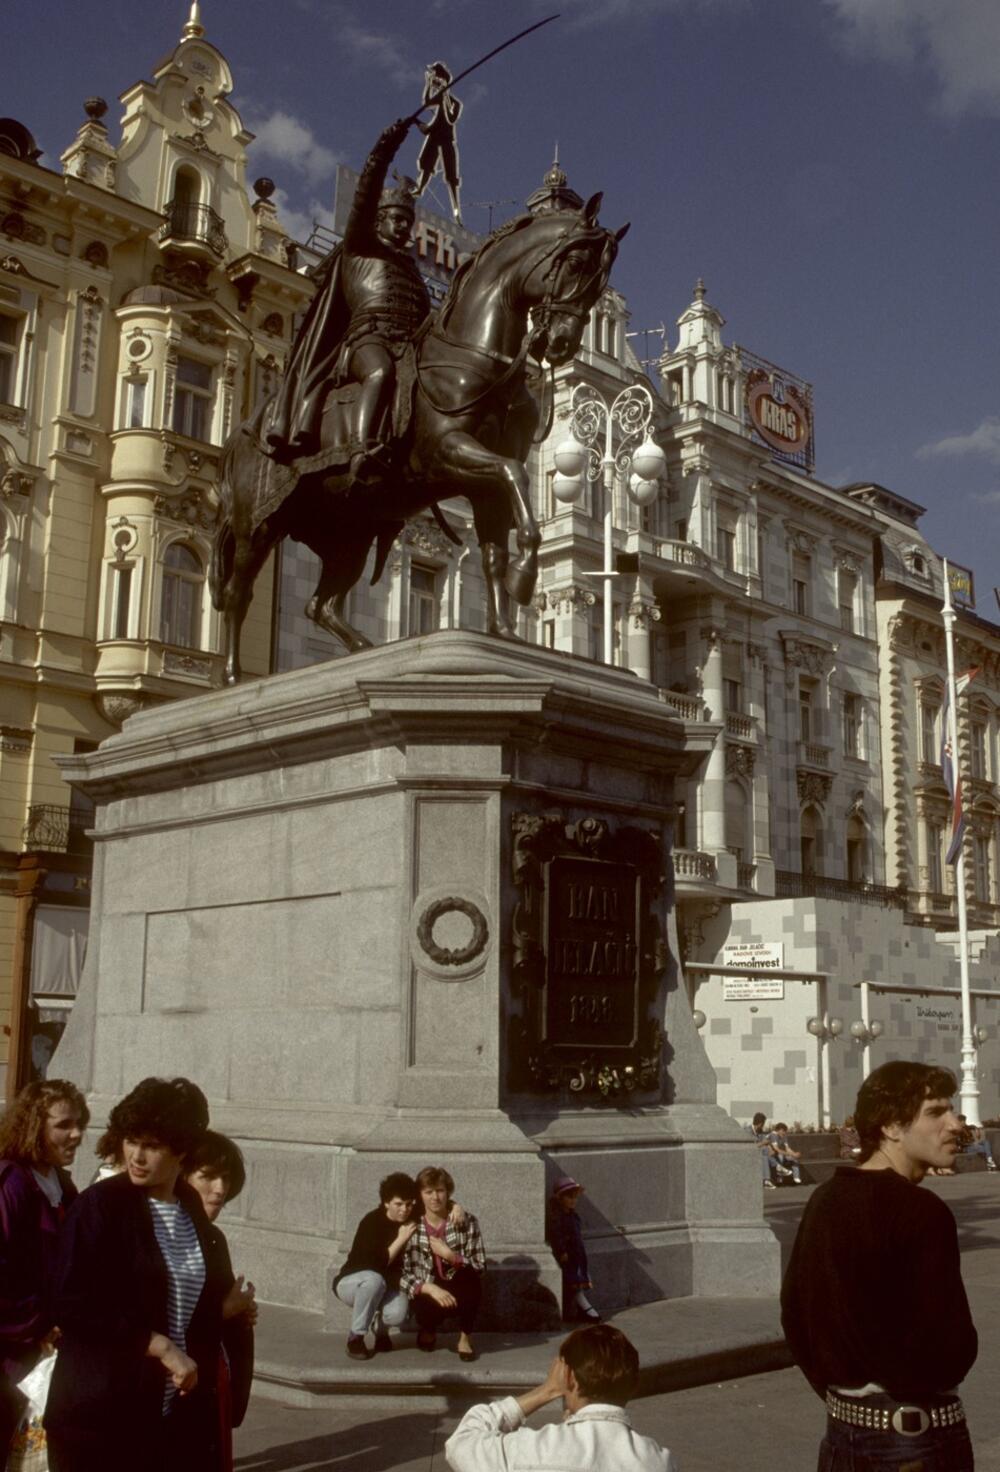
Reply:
x=15, y=483
x=813, y=786
x=802, y=541
x=16, y=739
x=644, y=614
x=191, y=509
x=571, y=599
x=422, y=537
x=815, y=656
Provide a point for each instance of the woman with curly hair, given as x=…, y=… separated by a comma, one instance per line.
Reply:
x=39, y=1134
x=443, y=1263
x=141, y=1287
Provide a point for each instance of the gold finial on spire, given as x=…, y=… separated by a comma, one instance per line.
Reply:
x=194, y=27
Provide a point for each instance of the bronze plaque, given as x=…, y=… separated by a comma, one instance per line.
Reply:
x=592, y=919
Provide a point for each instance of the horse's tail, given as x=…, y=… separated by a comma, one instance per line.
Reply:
x=224, y=543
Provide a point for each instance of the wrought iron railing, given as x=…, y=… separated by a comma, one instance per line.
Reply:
x=194, y=222
x=54, y=829
x=789, y=885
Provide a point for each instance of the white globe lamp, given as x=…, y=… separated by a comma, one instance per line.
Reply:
x=649, y=460
x=566, y=488
x=570, y=456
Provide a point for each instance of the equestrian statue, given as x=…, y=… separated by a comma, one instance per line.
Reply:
x=387, y=408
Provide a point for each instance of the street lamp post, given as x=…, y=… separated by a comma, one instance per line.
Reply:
x=638, y=461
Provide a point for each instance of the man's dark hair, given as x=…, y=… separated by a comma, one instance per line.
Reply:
x=780, y=1125
x=894, y=1094
x=605, y=1363
x=221, y=1156
x=172, y=1111
x=398, y=1184
x=758, y=1120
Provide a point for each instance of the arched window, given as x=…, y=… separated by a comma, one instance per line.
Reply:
x=810, y=831
x=182, y=597
x=187, y=187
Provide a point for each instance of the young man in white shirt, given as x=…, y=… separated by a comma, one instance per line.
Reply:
x=595, y=1374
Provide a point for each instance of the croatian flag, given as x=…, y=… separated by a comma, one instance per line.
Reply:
x=952, y=776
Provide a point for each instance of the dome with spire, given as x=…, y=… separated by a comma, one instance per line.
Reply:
x=555, y=193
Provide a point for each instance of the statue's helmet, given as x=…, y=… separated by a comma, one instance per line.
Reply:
x=401, y=197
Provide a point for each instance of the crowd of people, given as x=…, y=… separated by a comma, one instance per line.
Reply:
x=126, y=1291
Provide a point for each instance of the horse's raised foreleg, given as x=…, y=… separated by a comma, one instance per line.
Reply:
x=462, y=458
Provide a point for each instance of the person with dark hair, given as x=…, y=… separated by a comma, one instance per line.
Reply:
x=141, y=1286
x=595, y=1374
x=443, y=1263
x=39, y=1135
x=785, y=1156
x=215, y=1169
x=768, y=1162
x=873, y=1304
x=368, y=1282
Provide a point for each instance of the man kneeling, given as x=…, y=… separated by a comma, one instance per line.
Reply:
x=595, y=1374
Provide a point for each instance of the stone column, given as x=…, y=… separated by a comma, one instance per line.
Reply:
x=713, y=786
x=642, y=613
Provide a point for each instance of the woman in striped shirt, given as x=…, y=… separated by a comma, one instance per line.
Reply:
x=142, y=1285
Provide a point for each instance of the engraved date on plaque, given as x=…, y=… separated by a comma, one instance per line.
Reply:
x=591, y=960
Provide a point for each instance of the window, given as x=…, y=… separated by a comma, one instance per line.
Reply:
x=727, y=547
x=736, y=821
x=801, y=581
x=847, y=588
x=855, y=850
x=760, y=555
x=135, y=403
x=680, y=826
x=852, y=724
x=807, y=713
x=122, y=592
x=977, y=749
x=984, y=877
x=193, y=399
x=424, y=609
x=9, y=335
x=181, y=601
x=732, y=694
x=809, y=841
x=682, y=530
x=928, y=734
x=935, y=833
x=597, y=633
x=549, y=633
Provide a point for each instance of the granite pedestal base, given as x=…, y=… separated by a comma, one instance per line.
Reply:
x=304, y=900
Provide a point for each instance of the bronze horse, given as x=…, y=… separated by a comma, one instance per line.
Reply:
x=527, y=293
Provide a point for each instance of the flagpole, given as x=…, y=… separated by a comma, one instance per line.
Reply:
x=969, y=1087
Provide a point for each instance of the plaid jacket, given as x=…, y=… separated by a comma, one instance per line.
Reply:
x=418, y=1259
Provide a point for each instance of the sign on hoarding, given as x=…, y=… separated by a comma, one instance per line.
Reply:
x=778, y=410
x=753, y=989
x=755, y=955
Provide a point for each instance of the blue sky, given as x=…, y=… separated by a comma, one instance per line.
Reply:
x=828, y=166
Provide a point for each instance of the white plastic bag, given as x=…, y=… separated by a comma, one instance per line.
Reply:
x=35, y=1386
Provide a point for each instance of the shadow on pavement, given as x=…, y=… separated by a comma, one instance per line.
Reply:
x=380, y=1444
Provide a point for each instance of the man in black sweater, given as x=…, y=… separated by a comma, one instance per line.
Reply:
x=873, y=1304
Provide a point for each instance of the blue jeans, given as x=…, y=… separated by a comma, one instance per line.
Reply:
x=857, y=1449
x=375, y=1306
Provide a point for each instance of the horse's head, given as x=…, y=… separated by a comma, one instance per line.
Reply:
x=567, y=277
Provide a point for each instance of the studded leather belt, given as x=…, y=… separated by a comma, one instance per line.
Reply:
x=902, y=1418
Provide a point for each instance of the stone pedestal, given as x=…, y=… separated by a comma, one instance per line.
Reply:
x=305, y=899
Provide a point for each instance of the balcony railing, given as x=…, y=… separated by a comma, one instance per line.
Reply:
x=685, y=553
x=688, y=707
x=745, y=874
x=789, y=885
x=744, y=728
x=194, y=222
x=811, y=754
x=689, y=864
x=54, y=829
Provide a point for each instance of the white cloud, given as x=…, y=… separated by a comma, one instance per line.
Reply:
x=600, y=12
x=957, y=41
x=385, y=52
x=988, y=498
x=299, y=222
x=286, y=138
x=983, y=440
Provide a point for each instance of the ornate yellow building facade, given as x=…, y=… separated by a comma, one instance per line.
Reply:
x=145, y=306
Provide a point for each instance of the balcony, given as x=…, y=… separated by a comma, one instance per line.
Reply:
x=741, y=727
x=746, y=875
x=689, y=864
x=56, y=830
x=790, y=885
x=688, y=707
x=684, y=554
x=194, y=228
x=812, y=754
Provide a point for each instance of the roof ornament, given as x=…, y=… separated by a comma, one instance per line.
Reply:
x=699, y=290
x=193, y=28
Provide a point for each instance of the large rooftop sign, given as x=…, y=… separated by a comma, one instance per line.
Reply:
x=778, y=411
